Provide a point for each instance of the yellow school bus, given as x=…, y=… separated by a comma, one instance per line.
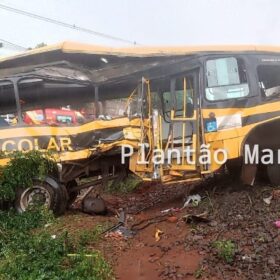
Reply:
x=166, y=114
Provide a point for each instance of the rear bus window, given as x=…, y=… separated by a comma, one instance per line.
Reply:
x=226, y=79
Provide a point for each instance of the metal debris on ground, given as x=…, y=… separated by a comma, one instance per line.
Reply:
x=267, y=200
x=122, y=221
x=194, y=200
x=120, y=233
x=147, y=222
x=127, y=233
x=158, y=234
x=170, y=210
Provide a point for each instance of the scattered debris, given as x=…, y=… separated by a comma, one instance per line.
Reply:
x=170, y=210
x=200, y=218
x=122, y=216
x=277, y=224
x=147, y=222
x=192, y=199
x=85, y=194
x=122, y=221
x=158, y=234
x=246, y=258
x=230, y=213
x=117, y=235
x=127, y=233
x=267, y=200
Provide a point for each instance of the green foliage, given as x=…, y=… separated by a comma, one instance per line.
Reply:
x=29, y=252
x=28, y=249
x=26, y=221
x=126, y=186
x=199, y=272
x=21, y=170
x=226, y=250
x=90, y=236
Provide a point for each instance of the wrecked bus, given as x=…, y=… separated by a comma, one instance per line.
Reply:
x=171, y=114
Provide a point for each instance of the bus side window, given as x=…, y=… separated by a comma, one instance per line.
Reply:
x=182, y=101
x=161, y=97
x=8, y=110
x=269, y=80
x=184, y=93
x=167, y=104
x=226, y=79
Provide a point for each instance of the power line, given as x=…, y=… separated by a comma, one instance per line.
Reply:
x=12, y=44
x=64, y=24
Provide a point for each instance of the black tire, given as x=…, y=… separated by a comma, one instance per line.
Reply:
x=273, y=173
x=94, y=205
x=72, y=195
x=49, y=191
x=234, y=168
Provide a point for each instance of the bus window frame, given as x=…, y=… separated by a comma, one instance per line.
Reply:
x=195, y=74
x=13, y=82
x=249, y=75
x=270, y=59
x=16, y=80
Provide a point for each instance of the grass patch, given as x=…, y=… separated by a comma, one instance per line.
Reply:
x=28, y=251
x=130, y=183
x=92, y=236
x=199, y=273
x=226, y=250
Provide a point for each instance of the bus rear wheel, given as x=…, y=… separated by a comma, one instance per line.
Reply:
x=48, y=193
x=273, y=173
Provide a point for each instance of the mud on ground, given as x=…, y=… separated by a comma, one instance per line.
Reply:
x=237, y=215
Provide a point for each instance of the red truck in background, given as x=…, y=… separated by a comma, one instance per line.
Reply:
x=53, y=116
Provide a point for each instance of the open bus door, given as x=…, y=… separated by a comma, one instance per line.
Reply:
x=170, y=125
x=182, y=142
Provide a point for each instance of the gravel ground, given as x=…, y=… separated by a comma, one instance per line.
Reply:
x=239, y=221
x=240, y=215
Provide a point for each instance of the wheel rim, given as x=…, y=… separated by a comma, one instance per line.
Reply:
x=36, y=195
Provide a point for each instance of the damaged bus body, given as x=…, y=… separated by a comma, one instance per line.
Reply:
x=161, y=111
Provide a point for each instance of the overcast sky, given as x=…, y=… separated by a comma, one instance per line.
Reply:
x=148, y=22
